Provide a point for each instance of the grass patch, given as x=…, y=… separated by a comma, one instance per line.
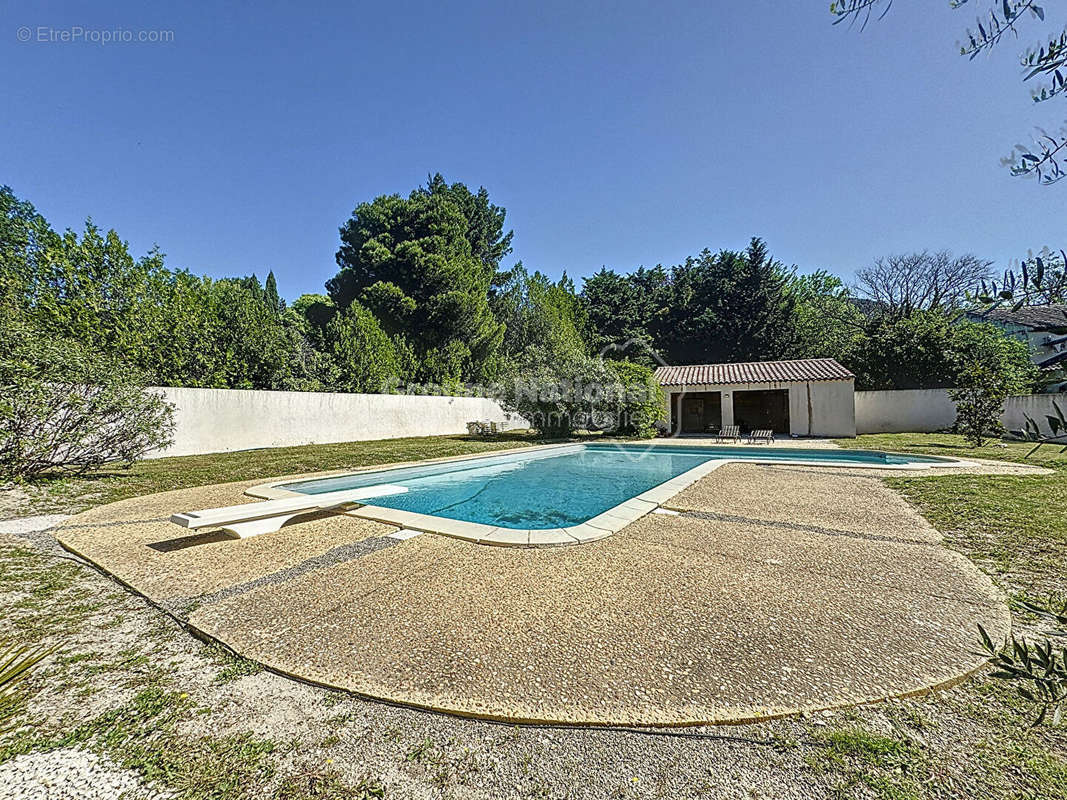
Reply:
x=423, y=751
x=44, y=596
x=232, y=666
x=954, y=446
x=72, y=494
x=141, y=736
x=144, y=733
x=327, y=785
x=858, y=763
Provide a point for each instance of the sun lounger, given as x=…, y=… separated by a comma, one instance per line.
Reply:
x=252, y=519
x=729, y=433
x=764, y=437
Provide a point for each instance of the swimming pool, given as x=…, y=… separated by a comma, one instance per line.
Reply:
x=566, y=486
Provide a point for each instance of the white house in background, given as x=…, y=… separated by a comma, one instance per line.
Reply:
x=807, y=397
x=1042, y=328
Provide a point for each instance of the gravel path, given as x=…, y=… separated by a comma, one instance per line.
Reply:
x=36, y=530
x=73, y=774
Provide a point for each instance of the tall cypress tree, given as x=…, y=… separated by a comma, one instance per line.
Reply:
x=270, y=294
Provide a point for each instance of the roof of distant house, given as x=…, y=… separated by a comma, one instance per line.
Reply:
x=1053, y=361
x=805, y=369
x=1038, y=317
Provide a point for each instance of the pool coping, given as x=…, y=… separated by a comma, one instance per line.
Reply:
x=599, y=527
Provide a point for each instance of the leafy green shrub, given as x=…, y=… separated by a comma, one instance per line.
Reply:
x=640, y=399
x=549, y=392
x=65, y=407
x=560, y=395
x=365, y=357
x=978, y=410
x=989, y=367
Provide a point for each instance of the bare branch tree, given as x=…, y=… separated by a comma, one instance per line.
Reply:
x=902, y=284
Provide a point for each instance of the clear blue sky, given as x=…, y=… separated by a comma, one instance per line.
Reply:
x=615, y=133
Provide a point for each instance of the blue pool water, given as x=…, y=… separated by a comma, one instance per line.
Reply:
x=559, y=487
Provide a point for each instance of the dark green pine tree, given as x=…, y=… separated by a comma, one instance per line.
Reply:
x=424, y=266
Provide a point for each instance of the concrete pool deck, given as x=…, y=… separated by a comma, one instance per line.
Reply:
x=774, y=590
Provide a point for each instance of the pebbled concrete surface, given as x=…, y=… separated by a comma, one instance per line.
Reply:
x=780, y=590
x=134, y=541
x=844, y=500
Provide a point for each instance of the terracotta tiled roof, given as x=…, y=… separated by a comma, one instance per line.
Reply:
x=805, y=369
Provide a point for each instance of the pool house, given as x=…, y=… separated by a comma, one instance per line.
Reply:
x=805, y=397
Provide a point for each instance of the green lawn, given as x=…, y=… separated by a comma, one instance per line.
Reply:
x=1014, y=526
x=947, y=444
x=72, y=494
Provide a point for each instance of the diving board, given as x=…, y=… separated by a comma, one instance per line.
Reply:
x=252, y=519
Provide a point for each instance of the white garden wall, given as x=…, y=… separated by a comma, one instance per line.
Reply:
x=220, y=420
x=928, y=410
x=904, y=411
x=1036, y=406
